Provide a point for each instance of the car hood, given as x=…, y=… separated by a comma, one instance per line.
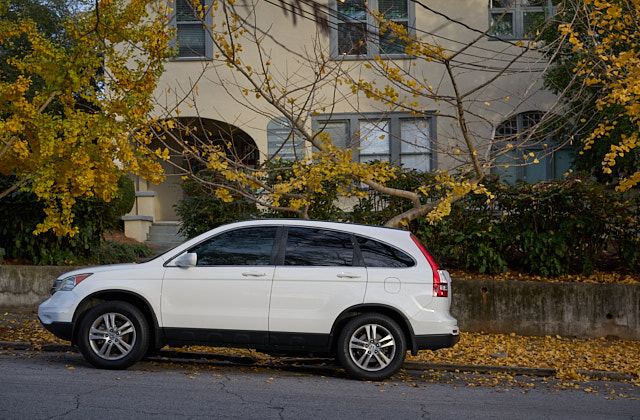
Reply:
x=103, y=268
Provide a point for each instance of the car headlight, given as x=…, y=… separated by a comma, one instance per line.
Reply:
x=68, y=283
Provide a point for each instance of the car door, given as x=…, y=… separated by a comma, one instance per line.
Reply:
x=224, y=298
x=315, y=280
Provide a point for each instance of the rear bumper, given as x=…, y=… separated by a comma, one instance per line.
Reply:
x=435, y=341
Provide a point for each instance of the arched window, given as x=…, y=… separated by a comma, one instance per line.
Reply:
x=526, y=151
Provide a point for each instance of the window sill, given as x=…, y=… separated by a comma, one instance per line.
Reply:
x=369, y=58
x=191, y=59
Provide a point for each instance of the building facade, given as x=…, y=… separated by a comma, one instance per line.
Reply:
x=502, y=86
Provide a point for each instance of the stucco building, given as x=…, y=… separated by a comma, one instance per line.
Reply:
x=198, y=87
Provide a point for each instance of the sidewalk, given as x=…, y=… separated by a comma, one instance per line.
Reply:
x=558, y=357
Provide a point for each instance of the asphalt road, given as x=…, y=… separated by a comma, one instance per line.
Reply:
x=62, y=385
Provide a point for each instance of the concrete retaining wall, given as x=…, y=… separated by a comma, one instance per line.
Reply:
x=26, y=286
x=538, y=308
x=528, y=308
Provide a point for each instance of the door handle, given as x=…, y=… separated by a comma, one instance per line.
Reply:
x=349, y=275
x=253, y=274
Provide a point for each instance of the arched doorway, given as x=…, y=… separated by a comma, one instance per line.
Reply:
x=155, y=204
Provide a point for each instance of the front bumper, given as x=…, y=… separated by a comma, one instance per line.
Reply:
x=56, y=314
x=62, y=330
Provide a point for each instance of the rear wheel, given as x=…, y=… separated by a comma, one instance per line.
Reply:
x=113, y=335
x=371, y=347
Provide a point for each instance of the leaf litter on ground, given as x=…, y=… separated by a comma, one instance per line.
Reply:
x=568, y=356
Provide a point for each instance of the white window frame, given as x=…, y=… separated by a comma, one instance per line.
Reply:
x=372, y=43
x=354, y=121
x=517, y=11
x=208, y=41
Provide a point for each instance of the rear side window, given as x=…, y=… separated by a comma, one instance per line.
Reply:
x=378, y=254
x=248, y=246
x=318, y=247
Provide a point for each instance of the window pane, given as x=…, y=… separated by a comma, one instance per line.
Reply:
x=318, y=247
x=418, y=162
x=374, y=138
x=415, y=145
x=500, y=3
x=531, y=127
x=415, y=136
x=352, y=27
x=535, y=172
x=350, y=10
x=562, y=161
x=191, y=40
x=278, y=133
x=394, y=9
x=352, y=38
x=371, y=158
x=389, y=42
x=531, y=21
x=377, y=254
x=185, y=12
x=505, y=167
x=507, y=130
x=338, y=131
x=504, y=27
x=251, y=246
x=533, y=3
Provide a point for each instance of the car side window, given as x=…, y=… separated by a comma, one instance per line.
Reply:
x=247, y=246
x=378, y=254
x=318, y=247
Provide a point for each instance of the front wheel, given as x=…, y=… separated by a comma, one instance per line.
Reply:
x=113, y=335
x=371, y=347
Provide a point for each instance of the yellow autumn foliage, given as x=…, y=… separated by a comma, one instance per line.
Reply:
x=612, y=62
x=75, y=135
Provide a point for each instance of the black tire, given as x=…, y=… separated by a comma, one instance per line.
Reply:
x=371, y=347
x=113, y=335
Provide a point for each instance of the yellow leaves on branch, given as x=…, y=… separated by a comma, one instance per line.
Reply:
x=612, y=61
x=73, y=135
x=453, y=189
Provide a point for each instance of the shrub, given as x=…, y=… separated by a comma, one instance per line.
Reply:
x=109, y=252
x=200, y=210
x=21, y=212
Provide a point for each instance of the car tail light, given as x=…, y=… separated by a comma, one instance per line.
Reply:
x=440, y=282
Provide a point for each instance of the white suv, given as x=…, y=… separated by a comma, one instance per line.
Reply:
x=363, y=294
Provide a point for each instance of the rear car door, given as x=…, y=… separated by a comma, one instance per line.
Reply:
x=316, y=278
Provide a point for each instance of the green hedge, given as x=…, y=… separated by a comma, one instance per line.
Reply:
x=549, y=229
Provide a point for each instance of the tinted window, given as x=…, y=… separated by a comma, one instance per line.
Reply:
x=318, y=247
x=377, y=254
x=250, y=246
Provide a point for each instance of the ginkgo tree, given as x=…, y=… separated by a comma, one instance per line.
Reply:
x=603, y=52
x=315, y=82
x=71, y=115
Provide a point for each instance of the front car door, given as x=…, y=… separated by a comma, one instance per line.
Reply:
x=224, y=299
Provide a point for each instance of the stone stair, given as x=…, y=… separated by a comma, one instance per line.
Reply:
x=164, y=235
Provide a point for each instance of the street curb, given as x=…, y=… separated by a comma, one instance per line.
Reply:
x=418, y=366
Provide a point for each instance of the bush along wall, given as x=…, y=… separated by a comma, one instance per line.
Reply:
x=553, y=228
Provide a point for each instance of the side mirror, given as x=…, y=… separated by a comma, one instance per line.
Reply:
x=189, y=259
